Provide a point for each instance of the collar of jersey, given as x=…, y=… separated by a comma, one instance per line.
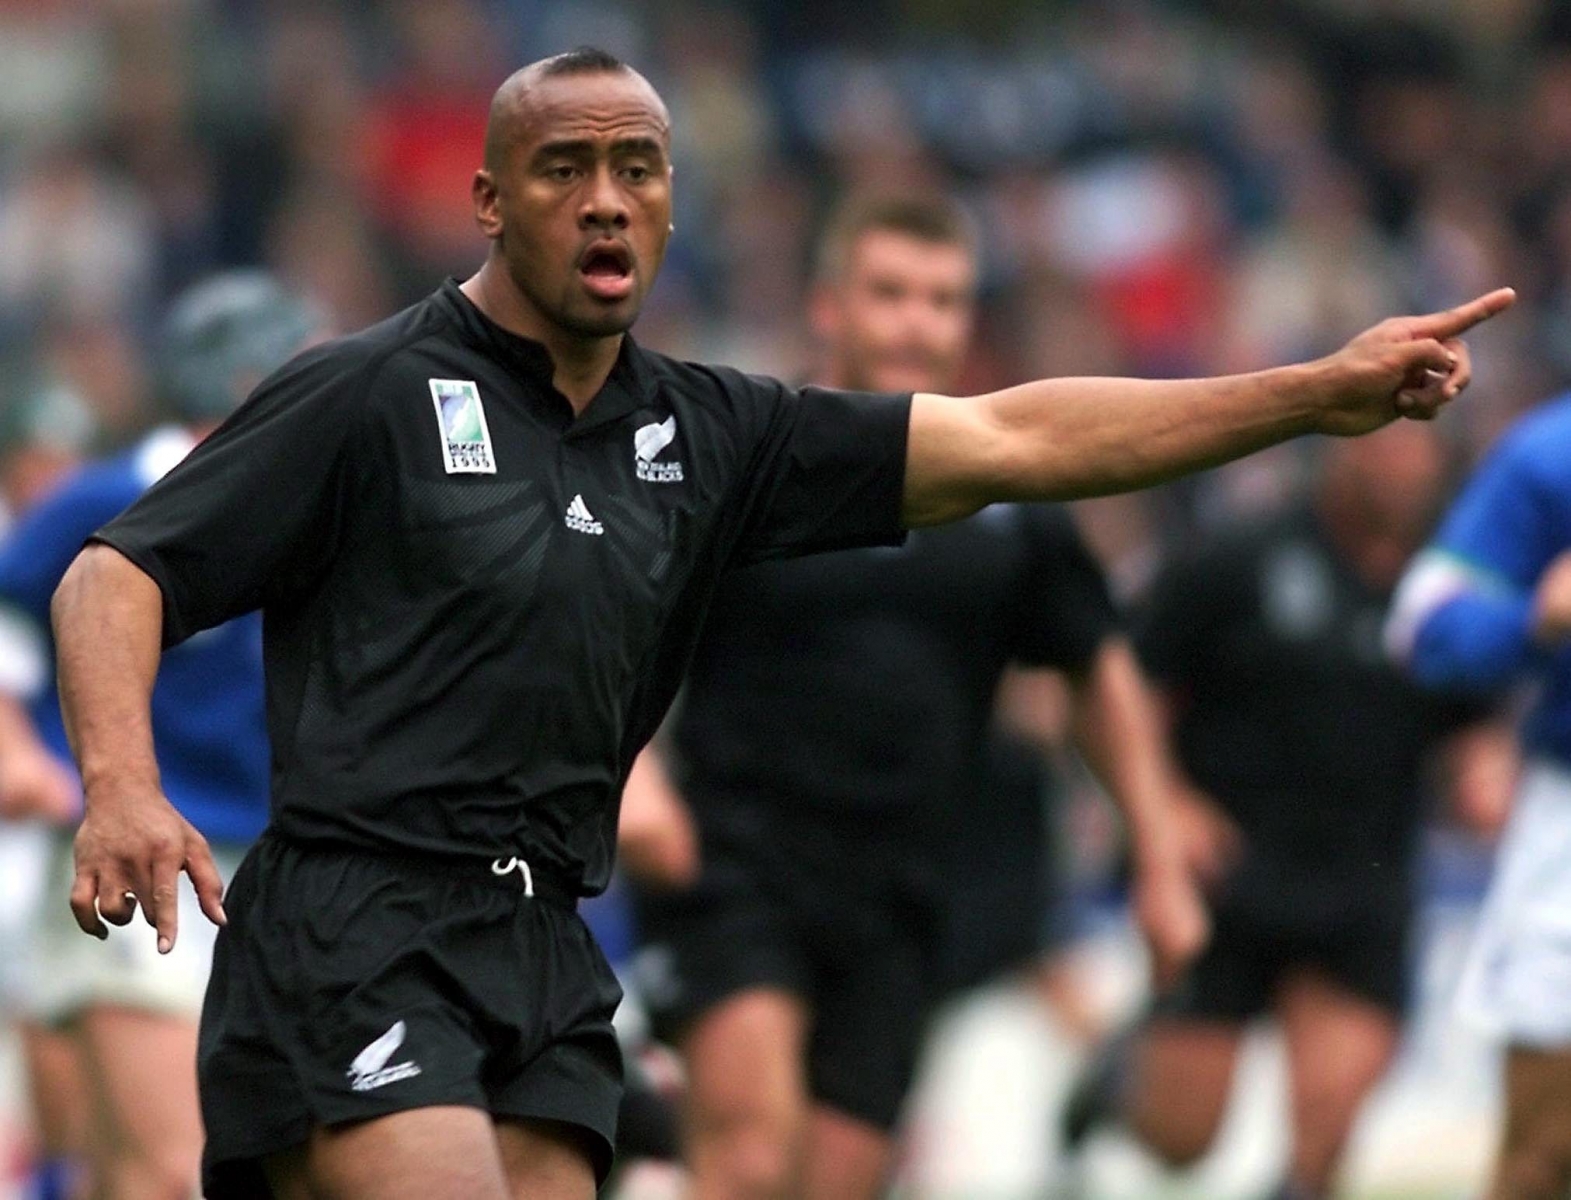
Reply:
x=630, y=386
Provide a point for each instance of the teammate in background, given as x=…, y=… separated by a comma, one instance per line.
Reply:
x=44, y=433
x=1486, y=605
x=1308, y=753
x=832, y=729
x=485, y=533
x=131, y=1013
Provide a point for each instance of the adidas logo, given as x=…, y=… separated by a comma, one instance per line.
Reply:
x=581, y=520
x=370, y=1069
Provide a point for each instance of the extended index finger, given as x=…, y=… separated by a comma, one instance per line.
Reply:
x=164, y=911
x=1456, y=321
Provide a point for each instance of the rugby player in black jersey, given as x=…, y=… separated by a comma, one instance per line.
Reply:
x=833, y=746
x=483, y=535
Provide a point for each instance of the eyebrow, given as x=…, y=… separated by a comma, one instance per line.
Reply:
x=639, y=144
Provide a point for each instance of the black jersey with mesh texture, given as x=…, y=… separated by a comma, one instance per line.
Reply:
x=475, y=620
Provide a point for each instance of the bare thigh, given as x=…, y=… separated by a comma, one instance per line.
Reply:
x=1183, y=1077
x=545, y=1160
x=847, y=1159
x=747, y=1095
x=1338, y=1047
x=420, y=1154
x=147, y=1129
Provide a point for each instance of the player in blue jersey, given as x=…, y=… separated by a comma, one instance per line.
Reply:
x=133, y=1013
x=1486, y=605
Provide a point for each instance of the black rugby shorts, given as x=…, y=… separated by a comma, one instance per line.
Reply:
x=350, y=985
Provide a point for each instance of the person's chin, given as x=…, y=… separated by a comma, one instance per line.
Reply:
x=601, y=320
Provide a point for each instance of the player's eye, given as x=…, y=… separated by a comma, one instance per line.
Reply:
x=562, y=172
x=636, y=173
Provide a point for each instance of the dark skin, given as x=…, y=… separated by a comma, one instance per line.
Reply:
x=575, y=196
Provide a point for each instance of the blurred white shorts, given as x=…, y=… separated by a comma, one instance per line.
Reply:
x=1516, y=985
x=24, y=865
x=71, y=972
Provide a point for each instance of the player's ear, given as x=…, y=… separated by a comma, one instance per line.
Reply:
x=488, y=213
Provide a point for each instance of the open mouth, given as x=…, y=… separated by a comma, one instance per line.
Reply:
x=607, y=270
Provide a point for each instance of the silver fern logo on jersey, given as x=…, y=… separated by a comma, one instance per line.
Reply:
x=648, y=442
x=466, y=438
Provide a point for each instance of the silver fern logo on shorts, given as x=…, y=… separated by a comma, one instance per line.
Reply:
x=370, y=1069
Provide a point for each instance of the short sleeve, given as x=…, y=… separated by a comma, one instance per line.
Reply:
x=252, y=515
x=1068, y=610
x=827, y=470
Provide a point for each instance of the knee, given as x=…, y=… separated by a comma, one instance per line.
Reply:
x=154, y=1176
x=1179, y=1139
x=1325, y=1108
x=757, y=1164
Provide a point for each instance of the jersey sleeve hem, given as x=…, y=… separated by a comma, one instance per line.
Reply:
x=174, y=627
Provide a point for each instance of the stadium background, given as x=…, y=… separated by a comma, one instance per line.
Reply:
x=1163, y=188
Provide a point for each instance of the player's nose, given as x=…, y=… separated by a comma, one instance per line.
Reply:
x=604, y=206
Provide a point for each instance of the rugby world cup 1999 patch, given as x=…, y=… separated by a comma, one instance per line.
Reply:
x=466, y=439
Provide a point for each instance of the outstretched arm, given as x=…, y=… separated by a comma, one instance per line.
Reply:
x=1066, y=438
x=108, y=620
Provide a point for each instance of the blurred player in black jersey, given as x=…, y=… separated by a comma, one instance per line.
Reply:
x=1310, y=756
x=834, y=725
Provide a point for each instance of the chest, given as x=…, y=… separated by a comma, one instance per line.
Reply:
x=488, y=497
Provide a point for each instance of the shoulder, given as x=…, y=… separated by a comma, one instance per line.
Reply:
x=712, y=385
x=1538, y=445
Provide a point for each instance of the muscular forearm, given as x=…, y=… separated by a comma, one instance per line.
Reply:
x=1083, y=437
x=1119, y=732
x=1063, y=438
x=1058, y=439
x=108, y=620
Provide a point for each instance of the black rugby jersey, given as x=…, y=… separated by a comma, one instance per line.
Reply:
x=863, y=682
x=1288, y=710
x=477, y=607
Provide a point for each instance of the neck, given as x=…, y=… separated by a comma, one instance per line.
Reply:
x=581, y=364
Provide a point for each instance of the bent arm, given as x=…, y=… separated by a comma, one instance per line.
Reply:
x=1119, y=731
x=108, y=621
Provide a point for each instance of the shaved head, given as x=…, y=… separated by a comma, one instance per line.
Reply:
x=516, y=103
x=575, y=194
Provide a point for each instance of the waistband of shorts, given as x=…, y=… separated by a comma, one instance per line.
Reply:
x=507, y=872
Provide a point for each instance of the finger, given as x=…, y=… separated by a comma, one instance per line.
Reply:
x=1424, y=360
x=208, y=882
x=1456, y=321
x=83, y=891
x=116, y=902
x=1418, y=406
x=163, y=913
x=1462, y=373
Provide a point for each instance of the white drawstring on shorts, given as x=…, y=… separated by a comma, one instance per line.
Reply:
x=503, y=866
